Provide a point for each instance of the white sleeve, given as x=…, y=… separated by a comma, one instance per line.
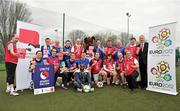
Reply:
x=10, y=46
x=136, y=61
x=72, y=49
x=104, y=67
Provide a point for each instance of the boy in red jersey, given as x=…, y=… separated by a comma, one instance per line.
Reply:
x=120, y=69
x=131, y=70
x=109, y=67
x=96, y=65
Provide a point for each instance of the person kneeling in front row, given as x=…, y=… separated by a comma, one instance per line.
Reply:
x=131, y=70
x=82, y=78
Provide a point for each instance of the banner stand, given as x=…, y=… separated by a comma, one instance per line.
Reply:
x=161, y=59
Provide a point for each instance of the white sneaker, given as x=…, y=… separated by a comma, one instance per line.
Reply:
x=79, y=90
x=92, y=89
x=117, y=82
x=14, y=93
x=8, y=90
x=57, y=84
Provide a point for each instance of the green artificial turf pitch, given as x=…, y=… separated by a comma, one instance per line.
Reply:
x=108, y=98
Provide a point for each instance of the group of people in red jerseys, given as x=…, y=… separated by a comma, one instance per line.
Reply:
x=79, y=65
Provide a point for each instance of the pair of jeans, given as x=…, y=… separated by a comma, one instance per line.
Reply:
x=81, y=78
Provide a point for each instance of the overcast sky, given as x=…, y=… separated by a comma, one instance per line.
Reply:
x=111, y=13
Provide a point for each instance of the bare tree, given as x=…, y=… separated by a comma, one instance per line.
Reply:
x=10, y=12
x=125, y=38
x=104, y=36
x=74, y=34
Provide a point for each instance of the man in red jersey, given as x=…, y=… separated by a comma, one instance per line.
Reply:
x=109, y=49
x=131, y=70
x=109, y=67
x=11, y=60
x=96, y=68
x=133, y=47
x=77, y=49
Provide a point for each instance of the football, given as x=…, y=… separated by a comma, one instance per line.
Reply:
x=100, y=84
x=86, y=88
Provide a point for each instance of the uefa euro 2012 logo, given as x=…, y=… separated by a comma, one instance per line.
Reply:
x=161, y=71
x=162, y=39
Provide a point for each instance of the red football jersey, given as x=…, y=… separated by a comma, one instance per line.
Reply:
x=109, y=50
x=97, y=67
x=128, y=66
x=133, y=50
x=78, y=51
x=108, y=63
x=120, y=64
x=55, y=61
x=8, y=56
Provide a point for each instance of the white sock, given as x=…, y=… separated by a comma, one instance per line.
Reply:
x=12, y=89
x=8, y=87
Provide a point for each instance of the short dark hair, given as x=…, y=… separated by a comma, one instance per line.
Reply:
x=109, y=55
x=54, y=49
x=38, y=51
x=47, y=38
x=68, y=41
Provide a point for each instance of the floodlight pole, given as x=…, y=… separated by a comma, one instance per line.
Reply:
x=128, y=16
x=63, y=28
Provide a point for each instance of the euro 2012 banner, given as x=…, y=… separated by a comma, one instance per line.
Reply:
x=43, y=79
x=161, y=59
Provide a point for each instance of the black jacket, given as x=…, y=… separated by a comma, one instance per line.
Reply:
x=143, y=54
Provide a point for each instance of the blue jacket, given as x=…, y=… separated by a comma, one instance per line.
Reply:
x=66, y=57
x=85, y=62
x=82, y=78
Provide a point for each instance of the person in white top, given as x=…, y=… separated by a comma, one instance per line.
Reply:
x=77, y=49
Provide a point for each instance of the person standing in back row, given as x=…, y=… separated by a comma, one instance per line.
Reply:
x=46, y=49
x=77, y=49
x=11, y=60
x=143, y=60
